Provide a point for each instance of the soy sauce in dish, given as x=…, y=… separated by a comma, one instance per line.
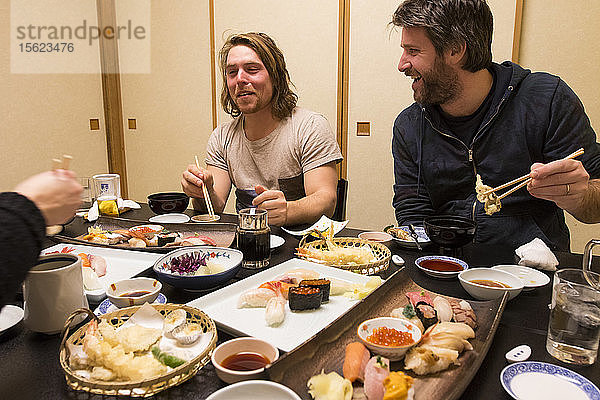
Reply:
x=245, y=361
x=136, y=293
x=441, y=265
x=487, y=282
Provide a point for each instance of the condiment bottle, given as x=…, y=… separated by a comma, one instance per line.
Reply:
x=253, y=238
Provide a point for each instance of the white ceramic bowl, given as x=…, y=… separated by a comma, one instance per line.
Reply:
x=239, y=345
x=482, y=292
x=254, y=390
x=115, y=291
x=393, y=353
x=378, y=237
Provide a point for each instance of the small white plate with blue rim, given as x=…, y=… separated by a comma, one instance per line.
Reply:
x=401, y=235
x=107, y=307
x=530, y=380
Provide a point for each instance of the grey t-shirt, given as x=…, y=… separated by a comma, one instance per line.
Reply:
x=278, y=161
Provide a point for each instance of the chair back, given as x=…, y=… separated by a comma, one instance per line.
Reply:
x=339, y=214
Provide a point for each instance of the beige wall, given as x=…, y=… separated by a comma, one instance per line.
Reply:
x=46, y=115
x=561, y=38
x=172, y=104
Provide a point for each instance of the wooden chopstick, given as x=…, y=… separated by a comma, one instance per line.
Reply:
x=209, y=206
x=527, y=178
x=63, y=163
x=519, y=186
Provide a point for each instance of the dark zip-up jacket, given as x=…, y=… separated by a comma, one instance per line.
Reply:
x=534, y=117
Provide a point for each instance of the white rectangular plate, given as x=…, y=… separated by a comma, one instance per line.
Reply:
x=120, y=264
x=297, y=327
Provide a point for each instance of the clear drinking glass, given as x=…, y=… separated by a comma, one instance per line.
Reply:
x=86, y=195
x=574, y=326
x=253, y=238
x=107, y=186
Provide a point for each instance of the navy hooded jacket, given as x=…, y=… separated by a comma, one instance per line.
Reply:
x=533, y=117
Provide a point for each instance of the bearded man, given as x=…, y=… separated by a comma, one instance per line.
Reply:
x=500, y=121
x=280, y=157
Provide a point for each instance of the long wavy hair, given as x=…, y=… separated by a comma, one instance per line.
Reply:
x=284, y=99
x=450, y=24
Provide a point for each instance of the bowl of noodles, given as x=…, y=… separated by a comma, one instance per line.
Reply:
x=198, y=268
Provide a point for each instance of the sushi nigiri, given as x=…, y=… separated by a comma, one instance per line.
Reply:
x=443, y=309
x=357, y=357
x=258, y=297
x=376, y=370
x=297, y=274
x=275, y=312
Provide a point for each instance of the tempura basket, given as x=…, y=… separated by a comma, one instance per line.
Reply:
x=381, y=252
x=141, y=388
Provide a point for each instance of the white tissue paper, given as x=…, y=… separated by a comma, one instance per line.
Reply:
x=536, y=254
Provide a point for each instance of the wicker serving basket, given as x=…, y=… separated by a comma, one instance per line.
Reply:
x=381, y=252
x=141, y=388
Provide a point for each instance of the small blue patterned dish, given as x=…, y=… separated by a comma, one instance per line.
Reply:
x=540, y=380
x=441, y=267
x=106, y=306
x=227, y=261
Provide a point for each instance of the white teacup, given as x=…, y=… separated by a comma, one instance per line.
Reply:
x=52, y=290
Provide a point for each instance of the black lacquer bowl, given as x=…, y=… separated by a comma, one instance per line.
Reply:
x=168, y=202
x=449, y=231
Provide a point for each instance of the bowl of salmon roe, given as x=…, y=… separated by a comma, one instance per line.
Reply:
x=389, y=337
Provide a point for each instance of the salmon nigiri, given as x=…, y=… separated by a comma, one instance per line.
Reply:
x=357, y=357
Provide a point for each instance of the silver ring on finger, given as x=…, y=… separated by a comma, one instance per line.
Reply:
x=568, y=189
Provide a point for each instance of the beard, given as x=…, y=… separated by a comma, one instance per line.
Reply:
x=439, y=85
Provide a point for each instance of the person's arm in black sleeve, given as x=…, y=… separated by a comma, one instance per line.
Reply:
x=22, y=230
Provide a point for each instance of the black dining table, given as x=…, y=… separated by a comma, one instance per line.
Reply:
x=29, y=361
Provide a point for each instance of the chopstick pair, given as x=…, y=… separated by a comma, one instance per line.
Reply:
x=63, y=163
x=209, y=206
x=525, y=178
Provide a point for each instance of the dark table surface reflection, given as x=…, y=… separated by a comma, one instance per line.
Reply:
x=29, y=366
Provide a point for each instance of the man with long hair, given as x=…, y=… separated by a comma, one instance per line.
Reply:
x=472, y=116
x=279, y=157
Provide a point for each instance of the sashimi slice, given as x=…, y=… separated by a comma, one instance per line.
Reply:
x=357, y=357
x=377, y=369
x=98, y=264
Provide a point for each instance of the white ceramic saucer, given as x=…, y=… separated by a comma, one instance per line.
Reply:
x=10, y=316
x=539, y=380
x=107, y=307
x=276, y=241
x=532, y=278
x=173, y=218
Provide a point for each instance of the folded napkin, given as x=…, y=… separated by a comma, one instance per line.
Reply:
x=122, y=205
x=536, y=254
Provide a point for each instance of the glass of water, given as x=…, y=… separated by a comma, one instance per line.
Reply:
x=574, y=327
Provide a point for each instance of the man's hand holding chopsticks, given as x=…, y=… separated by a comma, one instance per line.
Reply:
x=567, y=183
